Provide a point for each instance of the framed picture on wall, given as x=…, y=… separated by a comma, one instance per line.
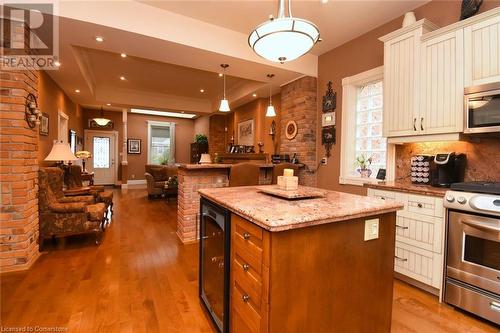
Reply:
x=134, y=146
x=246, y=133
x=44, y=124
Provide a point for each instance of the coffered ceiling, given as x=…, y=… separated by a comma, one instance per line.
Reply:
x=175, y=48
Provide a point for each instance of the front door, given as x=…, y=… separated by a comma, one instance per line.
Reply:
x=102, y=145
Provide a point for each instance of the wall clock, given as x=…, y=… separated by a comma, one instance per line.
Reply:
x=291, y=130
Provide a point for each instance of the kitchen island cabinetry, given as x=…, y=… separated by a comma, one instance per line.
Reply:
x=299, y=267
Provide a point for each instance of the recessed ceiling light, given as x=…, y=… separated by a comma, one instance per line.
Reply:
x=220, y=74
x=254, y=95
x=108, y=104
x=57, y=63
x=324, y=1
x=123, y=55
x=122, y=78
x=202, y=90
x=99, y=39
x=77, y=90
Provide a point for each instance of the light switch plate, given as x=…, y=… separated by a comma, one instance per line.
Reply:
x=371, y=229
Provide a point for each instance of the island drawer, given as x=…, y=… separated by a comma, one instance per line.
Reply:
x=249, y=280
x=245, y=317
x=249, y=232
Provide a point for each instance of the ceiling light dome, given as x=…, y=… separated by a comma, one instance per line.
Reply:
x=283, y=38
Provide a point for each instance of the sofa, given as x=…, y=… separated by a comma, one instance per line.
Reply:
x=157, y=177
x=62, y=216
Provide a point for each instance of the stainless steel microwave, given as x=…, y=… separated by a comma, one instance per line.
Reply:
x=482, y=108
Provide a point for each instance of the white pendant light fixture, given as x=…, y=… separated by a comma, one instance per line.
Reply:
x=283, y=38
x=224, y=104
x=101, y=121
x=270, y=109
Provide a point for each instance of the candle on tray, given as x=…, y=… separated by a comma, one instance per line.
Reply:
x=288, y=172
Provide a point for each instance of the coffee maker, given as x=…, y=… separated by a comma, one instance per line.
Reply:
x=449, y=169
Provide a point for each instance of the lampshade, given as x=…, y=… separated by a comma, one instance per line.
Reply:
x=60, y=152
x=270, y=111
x=224, y=105
x=205, y=159
x=283, y=39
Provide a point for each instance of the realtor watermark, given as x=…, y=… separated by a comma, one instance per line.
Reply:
x=35, y=328
x=29, y=34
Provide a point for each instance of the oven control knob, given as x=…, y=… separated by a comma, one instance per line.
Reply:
x=461, y=200
x=450, y=198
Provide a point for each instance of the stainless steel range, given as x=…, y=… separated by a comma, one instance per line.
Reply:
x=472, y=274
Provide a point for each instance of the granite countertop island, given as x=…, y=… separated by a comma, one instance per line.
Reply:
x=277, y=214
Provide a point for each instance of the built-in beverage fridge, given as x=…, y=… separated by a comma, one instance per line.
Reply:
x=214, y=262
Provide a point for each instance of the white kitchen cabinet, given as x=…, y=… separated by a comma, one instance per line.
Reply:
x=401, y=78
x=419, y=236
x=442, y=84
x=482, y=52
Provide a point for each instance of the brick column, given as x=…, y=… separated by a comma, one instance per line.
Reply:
x=188, y=200
x=18, y=173
x=298, y=103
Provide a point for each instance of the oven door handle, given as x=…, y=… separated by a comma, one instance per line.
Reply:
x=481, y=225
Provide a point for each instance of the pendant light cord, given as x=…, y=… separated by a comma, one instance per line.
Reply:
x=270, y=76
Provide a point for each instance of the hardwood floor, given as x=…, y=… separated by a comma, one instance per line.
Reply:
x=142, y=279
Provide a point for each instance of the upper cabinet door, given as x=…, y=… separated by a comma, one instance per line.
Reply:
x=442, y=84
x=401, y=63
x=482, y=52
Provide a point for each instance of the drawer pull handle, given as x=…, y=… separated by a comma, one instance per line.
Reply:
x=383, y=198
x=420, y=205
x=415, y=124
x=246, y=236
x=246, y=267
x=495, y=306
x=245, y=298
x=400, y=259
x=400, y=226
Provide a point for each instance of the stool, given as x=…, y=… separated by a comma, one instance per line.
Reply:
x=96, y=215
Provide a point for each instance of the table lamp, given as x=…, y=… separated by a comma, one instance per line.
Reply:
x=60, y=152
x=83, y=155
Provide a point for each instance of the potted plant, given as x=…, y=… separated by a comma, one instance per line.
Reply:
x=201, y=138
x=363, y=163
x=164, y=160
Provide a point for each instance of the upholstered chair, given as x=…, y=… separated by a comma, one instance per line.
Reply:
x=55, y=181
x=244, y=174
x=60, y=216
x=157, y=177
x=73, y=181
x=278, y=170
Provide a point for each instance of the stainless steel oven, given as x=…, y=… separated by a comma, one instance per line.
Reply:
x=482, y=108
x=473, y=254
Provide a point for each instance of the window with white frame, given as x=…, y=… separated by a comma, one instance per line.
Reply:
x=362, y=138
x=161, y=142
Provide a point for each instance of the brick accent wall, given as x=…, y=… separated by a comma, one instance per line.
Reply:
x=217, y=134
x=298, y=102
x=18, y=173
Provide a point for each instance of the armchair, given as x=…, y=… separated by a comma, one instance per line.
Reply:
x=73, y=181
x=157, y=177
x=61, y=217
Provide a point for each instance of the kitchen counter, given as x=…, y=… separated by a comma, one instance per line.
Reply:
x=276, y=214
x=409, y=188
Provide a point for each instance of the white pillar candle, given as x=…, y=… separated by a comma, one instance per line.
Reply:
x=288, y=172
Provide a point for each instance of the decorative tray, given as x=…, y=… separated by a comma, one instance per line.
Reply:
x=303, y=192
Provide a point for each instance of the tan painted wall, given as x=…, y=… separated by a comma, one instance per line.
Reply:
x=138, y=129
x=359, y=55
x=201, y=125
x=51, y=99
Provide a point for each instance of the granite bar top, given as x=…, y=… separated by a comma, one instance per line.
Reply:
x=409, y=188
x=216, y=166
x=276, y=214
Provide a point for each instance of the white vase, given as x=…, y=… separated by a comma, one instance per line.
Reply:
x=409, y=19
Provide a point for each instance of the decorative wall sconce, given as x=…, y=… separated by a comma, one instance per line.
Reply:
x=272, y=130
x=32, y=114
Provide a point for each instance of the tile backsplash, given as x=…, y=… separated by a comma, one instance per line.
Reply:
x=483, y=157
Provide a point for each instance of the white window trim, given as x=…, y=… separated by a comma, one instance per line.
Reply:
x=171, y=125
x=348, y=141
x=61, y=116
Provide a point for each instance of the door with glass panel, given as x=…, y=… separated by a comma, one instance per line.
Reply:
x=101, y=144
